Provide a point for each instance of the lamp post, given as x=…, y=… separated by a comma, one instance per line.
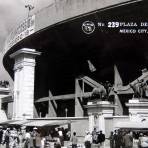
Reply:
x=66, y=110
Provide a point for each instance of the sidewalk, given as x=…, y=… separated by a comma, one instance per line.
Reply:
x=67, y=144
x=2, y=146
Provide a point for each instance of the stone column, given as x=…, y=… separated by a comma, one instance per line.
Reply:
x=138, y=109
x=24, y=68
x=97, y=113
x=101, y=123
x=91, y=122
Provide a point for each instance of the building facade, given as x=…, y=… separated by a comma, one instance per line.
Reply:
x=54, y=52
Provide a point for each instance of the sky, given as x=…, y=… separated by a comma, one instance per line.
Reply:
x=12, y=12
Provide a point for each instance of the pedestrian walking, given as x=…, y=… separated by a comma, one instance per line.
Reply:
x=20, y=136
x=118, y=139
x=31, y=140
x=74, y=140
x=1, y=135
x=88, y=140
x=60, y=132
x=143, y=141
x=47, y=141
x=57, y=143
x=111, y=138
x=14, y=139
x=7, y=137
x=128, y=140
x=101, y=139
x=27, y=140
x=38, y=140
x=43, y=142
x=94, y=136
x=34, y=133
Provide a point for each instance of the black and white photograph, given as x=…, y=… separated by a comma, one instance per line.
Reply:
x=74, y=74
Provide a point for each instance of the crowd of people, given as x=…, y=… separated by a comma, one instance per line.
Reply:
x=55, y=137
x=118, y=139
x=128, y=139
x=90, y=139
x=33, y=137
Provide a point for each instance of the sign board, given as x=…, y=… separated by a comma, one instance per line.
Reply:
x=26, y=28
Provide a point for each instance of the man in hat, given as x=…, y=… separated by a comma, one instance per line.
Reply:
x=14, y=139
x=94, y=136
x=7, y=137
x=88, y=140
x=101, y=138
x=34, y=134
x=128, y=140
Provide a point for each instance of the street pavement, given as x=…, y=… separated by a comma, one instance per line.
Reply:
x=67, y=144
x=2, y=146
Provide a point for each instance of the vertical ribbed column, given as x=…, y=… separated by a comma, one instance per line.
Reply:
x=101, y=123
x=24, y=68
x=91, y=122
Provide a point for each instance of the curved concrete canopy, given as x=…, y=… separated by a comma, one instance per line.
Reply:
x=62, y=10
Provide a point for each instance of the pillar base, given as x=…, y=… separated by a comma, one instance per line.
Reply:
x=138, y=109
x=97, y=112
x=24, y=71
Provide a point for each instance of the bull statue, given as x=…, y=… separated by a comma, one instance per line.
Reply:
x=140, y=89
x=98, y=93
x=101, y=92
